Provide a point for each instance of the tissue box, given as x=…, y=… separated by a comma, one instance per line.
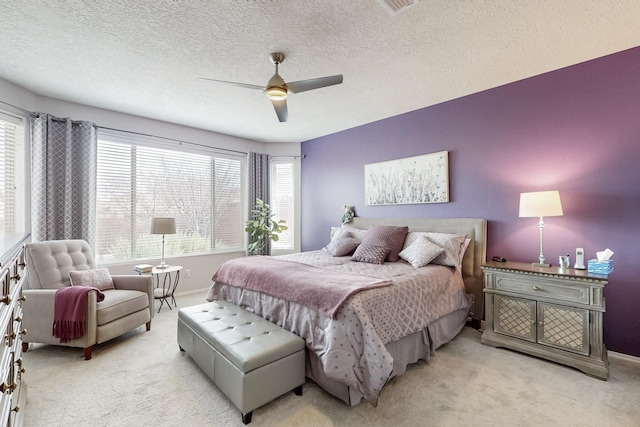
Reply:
x=600, y=267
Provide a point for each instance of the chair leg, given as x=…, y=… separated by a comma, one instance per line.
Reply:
x=87, y=352
x=149, y=325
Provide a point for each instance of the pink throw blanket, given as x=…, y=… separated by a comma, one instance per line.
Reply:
x=70, y=311
x=320, y=289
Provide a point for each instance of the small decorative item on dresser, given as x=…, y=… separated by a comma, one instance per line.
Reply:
x=600, y=267
x=603, y=264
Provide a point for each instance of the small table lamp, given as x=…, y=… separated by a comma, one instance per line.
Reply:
x=540, y=204
x=163, y=226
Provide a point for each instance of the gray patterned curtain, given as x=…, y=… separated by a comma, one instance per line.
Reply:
x=63, y=185
x=259, y=186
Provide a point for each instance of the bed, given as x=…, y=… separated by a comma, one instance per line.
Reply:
x=403, y=315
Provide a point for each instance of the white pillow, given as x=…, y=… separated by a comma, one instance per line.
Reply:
x=358, y=233
x=98, y=278
x=421, y=252
x=453, y=245
x=335, y=231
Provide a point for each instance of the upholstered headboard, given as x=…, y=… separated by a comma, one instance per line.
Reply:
x=476, y=254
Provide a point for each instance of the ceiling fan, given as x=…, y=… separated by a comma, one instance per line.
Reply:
x=277, y=90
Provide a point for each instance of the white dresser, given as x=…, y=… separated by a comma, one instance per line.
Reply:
x=548, y=313
x=13, y=390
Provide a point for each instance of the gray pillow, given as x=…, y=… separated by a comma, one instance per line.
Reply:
x=342, y=245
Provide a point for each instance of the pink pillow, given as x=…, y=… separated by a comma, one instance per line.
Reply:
x=386, y=236
x=98, y=278
x=370, y=254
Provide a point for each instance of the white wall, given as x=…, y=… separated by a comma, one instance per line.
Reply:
x=201, y=267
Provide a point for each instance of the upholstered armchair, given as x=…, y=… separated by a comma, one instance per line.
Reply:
x=49, y=263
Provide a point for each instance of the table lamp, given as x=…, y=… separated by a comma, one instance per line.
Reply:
x=163, y=225
x=540, y=204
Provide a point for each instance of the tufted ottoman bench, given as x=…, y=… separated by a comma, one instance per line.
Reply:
x=250, y=359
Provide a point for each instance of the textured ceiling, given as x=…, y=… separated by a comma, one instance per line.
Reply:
x=144, y=57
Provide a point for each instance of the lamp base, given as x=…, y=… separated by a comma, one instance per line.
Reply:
x=161, y=266
x=539, y=264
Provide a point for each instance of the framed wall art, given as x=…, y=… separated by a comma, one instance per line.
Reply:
x=419, y=179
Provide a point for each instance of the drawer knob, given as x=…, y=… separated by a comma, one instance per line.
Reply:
x=535, y=288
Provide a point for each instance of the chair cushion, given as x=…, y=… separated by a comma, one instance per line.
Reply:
x=118, y=303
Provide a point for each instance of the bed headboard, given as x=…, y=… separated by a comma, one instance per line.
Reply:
x=474, y=257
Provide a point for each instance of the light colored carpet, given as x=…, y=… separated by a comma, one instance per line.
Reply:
x=142, y=379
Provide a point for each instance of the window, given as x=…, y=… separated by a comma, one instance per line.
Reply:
x=202, y=191
x=12, y=176
x=283, y=201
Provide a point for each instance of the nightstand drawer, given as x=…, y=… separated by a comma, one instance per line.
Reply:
x=541, y=288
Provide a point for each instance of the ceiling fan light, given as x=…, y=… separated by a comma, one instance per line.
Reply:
x=276, y=93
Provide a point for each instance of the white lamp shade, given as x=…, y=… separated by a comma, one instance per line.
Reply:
x=163, y=225
x=540, y=204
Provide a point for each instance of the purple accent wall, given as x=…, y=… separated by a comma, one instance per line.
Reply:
x=576, y=130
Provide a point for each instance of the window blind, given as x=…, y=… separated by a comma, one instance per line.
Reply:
x=12, y=175
x=136, y=183
x=283, y=201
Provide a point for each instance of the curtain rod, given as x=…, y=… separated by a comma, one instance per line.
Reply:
x=16, y=107
x=171, y=139
x=32, y=113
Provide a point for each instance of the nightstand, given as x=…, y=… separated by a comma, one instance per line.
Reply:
x=546, y=312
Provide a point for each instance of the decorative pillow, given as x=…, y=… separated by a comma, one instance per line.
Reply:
x=386, y=236
x=421, y=252
x=463, y=249
x=358, y=233
x=452, y=244
x=98, y=278
x=342, y=245
x=335, y=232
x=412, y=236
x=370, y=254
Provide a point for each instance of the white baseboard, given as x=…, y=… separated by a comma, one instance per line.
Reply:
x=193, y=291
x=623, y=356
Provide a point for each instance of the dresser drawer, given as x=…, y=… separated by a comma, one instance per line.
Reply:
x=540, y=288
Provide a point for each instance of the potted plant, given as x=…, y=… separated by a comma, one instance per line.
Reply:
x=262, y=228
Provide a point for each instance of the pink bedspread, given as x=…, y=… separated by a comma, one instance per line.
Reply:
x=351, y=347
x=318, y=289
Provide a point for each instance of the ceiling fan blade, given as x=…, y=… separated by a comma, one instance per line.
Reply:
x=309, y=84
x=245, y=85
x=281, y=109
